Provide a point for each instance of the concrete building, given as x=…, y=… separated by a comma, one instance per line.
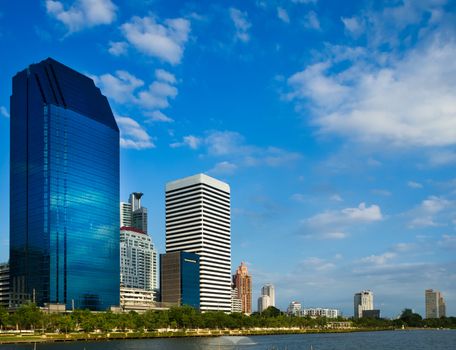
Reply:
x=139, y=300
x=4, y=285
x=64, y=190
x=125, y=214
x=133, y=214
x=180, y=278
x=319, y=312
x=198, y=220
x=363, y=301
x=138, y=260
x=435, y=304
x=236, y=302
x=242, y=282
x=269, y=290
x=294, y=308
x=264, y=302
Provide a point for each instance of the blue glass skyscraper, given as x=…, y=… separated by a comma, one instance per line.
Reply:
x=64, y=190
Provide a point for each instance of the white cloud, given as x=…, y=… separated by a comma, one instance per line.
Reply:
x=346, y=216
x=413, y=184
x=118, y=48
x=83, y=13
x=157, y=116
x=133, y=135
x=408, y=102
x=283, y=15
x=232, y=144
x=190, y=141
x=223, y=168
x=311, y=21
x=241, y=23
x=298, y=197
x=4, y=112
x=381, y=259
x=157, y=96
x=430, y=212
x=165, y=41
x=353, y=25
x=120, y=87
x=123, y=87
x=165, y=76
x=336, y=198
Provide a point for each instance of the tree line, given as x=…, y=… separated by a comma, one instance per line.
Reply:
x=30, y=317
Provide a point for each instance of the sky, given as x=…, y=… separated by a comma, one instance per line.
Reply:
x=334, y=122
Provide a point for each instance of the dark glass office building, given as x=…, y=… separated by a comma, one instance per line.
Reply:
x=180, y=278
x=64, y=190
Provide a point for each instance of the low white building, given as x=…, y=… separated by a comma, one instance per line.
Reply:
x=294, y=308
x=139, y=300
x=319, y=312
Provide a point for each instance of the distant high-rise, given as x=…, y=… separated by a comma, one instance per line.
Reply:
x=180, y=278
x=133, y=214
x=198, y=220
x=264, y=301
x=242, y=282
x=267, y=297
x=363, y=301
x=435, y=304
x=268, y=289
x=138, y=260
x=64, y=190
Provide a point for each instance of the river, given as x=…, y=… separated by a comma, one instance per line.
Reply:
x=389, y=340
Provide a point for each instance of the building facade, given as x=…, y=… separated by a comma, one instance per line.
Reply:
x=294, y=308
x=435, y=304
x=269, y=290
x=64, y=190
x=139, y=300
x=363, y=301
x=198, y=220
x=138, y=260
x=242, y=282
x=180, y=278
x=319, y=312
x=264, y=301
x=236, y=302
x=133, y=214
x=4, y=285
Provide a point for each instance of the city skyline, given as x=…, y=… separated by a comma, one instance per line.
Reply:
x=333, y=124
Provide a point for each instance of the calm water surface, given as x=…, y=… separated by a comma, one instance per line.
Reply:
x=393, y=340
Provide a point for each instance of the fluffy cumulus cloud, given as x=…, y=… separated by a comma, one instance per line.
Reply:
x=232, y=145
x=124, y=87
x=117, y=48
x=241, y=24
x=4, y=112
x=333, y=224
x=132, y=134
x=403, y=99
x=82, y=13
x=432, y=211
x=165, y=40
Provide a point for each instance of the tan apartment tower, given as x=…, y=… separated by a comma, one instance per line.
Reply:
x=435, y=304
x=242, y=281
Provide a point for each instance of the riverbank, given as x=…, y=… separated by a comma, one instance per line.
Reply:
x=169, y=333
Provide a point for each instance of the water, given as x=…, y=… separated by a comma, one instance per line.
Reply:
x=392, y=340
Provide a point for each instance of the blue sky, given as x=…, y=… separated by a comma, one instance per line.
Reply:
x=334, y=123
